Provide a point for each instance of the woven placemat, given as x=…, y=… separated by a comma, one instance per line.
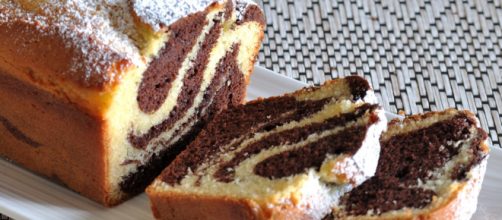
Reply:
x=418, y=55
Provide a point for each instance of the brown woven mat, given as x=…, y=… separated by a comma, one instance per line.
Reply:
x=419, y=55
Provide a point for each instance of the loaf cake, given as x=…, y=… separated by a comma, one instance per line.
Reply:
x=431, y=167
x=284, y=157
x=100, y=95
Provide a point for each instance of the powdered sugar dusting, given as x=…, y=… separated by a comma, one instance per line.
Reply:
x=100, y=33
x=97, y=33
x=162, y=13
x=240, y=7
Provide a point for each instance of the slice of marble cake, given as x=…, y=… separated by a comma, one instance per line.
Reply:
x=431, y=167
x=285, y=157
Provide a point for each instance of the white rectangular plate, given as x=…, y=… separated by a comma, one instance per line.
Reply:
x=24, y=195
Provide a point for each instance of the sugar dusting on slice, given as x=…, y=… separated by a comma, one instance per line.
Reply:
x=162, y=13
x=241, y=6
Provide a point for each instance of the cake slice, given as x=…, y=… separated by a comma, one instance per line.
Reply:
x=283, y=157
x=431, y=167
x=100, y=95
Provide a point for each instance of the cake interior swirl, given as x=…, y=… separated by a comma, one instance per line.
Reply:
x=107, y=93
x=295, y=153
x=431, y=166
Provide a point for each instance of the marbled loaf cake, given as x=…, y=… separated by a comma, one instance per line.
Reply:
x=100, y=95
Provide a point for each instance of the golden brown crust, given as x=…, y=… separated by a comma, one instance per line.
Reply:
x=172, y=206
x=42, y=60
x=70, y=143
x=46, y=57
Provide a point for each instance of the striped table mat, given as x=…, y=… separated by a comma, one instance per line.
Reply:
x=419, y=55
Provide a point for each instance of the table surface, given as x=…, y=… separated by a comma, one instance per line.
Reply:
x=419, y=55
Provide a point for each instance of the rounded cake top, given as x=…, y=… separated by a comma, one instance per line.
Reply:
x=95, y=38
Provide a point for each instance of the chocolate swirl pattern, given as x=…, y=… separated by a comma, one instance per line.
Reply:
x=112, y=91
x=431, y=167
x=298, y=151
x=201, y=64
